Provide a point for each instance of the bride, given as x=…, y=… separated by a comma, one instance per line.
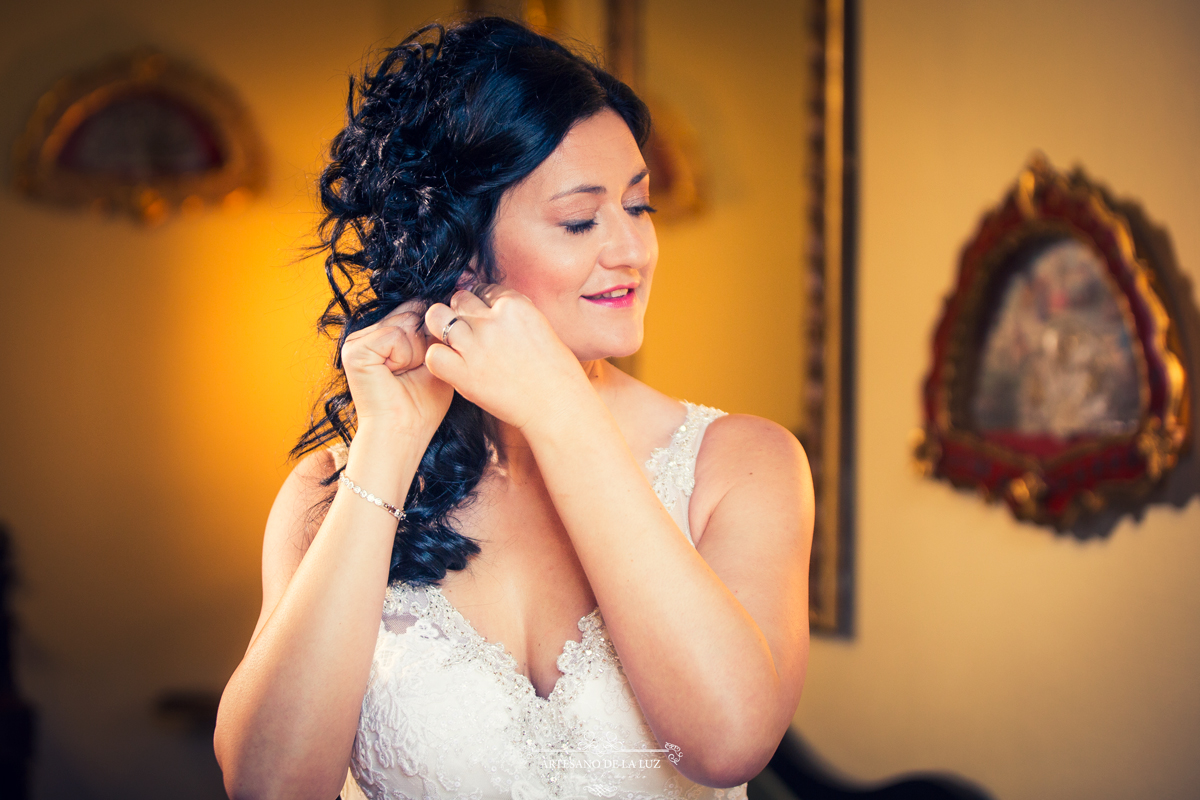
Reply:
x=505, y=568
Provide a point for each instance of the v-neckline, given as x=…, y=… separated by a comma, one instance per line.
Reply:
x=501, y=648
x=507, y=656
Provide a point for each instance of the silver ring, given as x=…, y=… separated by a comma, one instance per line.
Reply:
x=446, y=332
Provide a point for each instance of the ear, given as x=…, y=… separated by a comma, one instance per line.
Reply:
x=469, y=277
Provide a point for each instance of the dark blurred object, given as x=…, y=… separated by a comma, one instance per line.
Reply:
x=16, y=716
x=192, y=711
x=828, y=370
x=796, y=773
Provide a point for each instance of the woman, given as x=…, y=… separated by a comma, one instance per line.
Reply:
x=537, y=577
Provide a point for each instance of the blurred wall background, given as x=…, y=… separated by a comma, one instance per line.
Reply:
x=1036, y=665
x=154, y=382
x=155, y=378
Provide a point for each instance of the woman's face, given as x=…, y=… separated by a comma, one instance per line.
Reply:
x=575, y=237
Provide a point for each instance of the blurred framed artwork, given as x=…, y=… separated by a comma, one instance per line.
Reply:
x=1058, y=380
x=828, y=433
x=142, y=135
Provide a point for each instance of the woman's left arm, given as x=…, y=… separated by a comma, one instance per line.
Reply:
x=714, y=638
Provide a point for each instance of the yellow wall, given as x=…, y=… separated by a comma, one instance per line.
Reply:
x=725, y=324
x=1039, y=666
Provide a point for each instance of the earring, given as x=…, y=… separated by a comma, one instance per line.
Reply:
x=466, y=281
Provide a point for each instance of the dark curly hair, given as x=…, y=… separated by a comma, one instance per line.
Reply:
x=436, y=132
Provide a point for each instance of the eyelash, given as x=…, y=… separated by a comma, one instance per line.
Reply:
x=587, y=225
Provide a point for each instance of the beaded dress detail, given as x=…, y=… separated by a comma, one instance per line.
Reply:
x=447, y=714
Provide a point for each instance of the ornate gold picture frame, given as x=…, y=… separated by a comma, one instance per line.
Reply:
x=143, y=135
x=1058, y=380
x=828, y=436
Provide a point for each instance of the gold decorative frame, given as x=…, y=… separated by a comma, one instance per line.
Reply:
x=1053, y=480
x=829, y=371
x=40, y=173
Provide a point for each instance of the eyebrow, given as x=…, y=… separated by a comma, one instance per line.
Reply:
x=592, y=189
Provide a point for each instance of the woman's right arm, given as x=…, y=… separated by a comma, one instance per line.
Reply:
x=289, y=714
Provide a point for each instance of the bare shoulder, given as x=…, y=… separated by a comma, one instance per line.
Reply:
x=647, y=417
x=739, y=445
x=750, y=461
x=297, y=510
x=295, y=517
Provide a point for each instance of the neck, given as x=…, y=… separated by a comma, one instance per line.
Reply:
x=516, y=456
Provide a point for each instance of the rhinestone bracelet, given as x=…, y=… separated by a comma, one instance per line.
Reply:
x=370, y=498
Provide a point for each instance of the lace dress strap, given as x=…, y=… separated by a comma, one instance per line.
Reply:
x=674, y=466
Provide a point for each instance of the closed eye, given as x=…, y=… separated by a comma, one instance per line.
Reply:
x=582, y=226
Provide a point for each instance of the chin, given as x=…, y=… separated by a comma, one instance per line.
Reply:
x=617, y=347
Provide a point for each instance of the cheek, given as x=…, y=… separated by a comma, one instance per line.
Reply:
x=540, y=270
x=652, y=248
x=517, y=263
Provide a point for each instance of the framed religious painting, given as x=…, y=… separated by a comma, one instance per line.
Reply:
x=143, y=135
x=1058, y=381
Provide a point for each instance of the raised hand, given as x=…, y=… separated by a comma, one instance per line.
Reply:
x=385, y=370
x=503, y=355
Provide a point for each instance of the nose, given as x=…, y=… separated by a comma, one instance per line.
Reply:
x=632, y=242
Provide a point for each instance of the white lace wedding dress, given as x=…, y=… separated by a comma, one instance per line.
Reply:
x=447, y=715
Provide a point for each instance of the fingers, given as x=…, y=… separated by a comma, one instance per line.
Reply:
x=409, y=316
x=468, y=303
x=407, y=350
x=486, y=291
x=397, y=348
x=454, y=324
x=446, y=324
x=445, y=364
x=461, y=321
x=467, y=313
x=491, y=292
x=397, y=341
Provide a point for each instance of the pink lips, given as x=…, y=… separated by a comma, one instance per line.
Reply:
x=625, y=301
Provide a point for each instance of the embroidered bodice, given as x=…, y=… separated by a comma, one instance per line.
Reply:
x=447, y=714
